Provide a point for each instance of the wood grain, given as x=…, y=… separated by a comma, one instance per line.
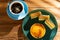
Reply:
x=11, y=29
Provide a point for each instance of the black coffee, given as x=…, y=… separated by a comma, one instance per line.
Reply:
x=16, y=8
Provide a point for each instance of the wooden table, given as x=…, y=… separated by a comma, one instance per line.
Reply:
x=11, y=29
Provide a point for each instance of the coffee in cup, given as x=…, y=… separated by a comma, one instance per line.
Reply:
x=16, y=8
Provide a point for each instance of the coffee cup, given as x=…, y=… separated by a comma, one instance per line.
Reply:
x=17, y=10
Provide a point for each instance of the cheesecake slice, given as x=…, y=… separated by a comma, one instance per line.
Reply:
x=34, y=15
x=44, y=17
x=50, y=24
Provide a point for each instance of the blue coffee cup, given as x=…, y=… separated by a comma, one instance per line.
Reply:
x=21, y=14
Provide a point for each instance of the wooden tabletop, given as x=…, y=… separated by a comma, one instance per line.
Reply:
x=11, y=29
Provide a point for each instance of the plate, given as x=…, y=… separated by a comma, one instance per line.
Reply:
x=27, y=23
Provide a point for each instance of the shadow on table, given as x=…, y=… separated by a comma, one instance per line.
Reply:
x=5, y=29
x=21, y=34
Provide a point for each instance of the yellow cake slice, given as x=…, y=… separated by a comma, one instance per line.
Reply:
x=50, y=24
x=44, y=17
x=34, y=15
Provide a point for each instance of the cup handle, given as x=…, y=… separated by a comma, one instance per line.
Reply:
x=22, y=15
